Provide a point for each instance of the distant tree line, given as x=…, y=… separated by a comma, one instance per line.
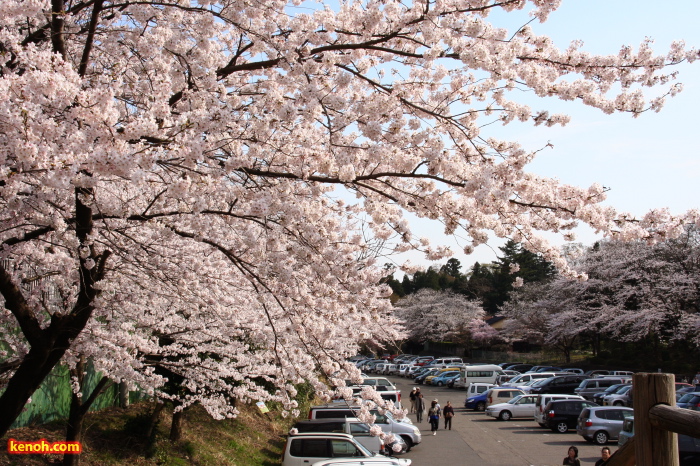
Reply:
x=489, y=284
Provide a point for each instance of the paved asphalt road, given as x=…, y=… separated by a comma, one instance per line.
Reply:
x=476, y=439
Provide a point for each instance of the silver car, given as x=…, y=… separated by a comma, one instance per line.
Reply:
x=619, y=398
x=601, y=423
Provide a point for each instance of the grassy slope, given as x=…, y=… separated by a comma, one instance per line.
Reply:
x=117, y=436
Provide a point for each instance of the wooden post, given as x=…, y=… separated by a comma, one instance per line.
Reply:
x=653, y=446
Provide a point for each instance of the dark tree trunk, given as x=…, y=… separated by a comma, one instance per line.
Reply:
x=176, y=426
x=123, y=395
x=154, y=418
x=48, y=344
x=78, y=410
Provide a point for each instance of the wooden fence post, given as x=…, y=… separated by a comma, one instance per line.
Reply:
x=653, y=446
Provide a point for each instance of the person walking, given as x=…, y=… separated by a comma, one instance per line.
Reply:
x=572, y=457
x=434, y=416
x=412, y=396
x=448, y=413
x=420, y=407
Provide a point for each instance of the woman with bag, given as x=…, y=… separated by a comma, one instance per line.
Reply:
x=448, y=412
x=434, y=416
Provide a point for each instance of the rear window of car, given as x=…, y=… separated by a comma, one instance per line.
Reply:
x=309, y=447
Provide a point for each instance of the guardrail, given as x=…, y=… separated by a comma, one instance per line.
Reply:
x=657, y=421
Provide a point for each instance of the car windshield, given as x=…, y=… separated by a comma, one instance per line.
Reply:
x=687, y=397
x=514, y=400
x=623, y=390
x=538, y=382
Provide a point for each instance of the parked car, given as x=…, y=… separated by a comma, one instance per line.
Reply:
x=595, y=372
x=353, y=426
x=478, y=373
x=573, y=370
x=528, y=386
x=421, y=378
x=507, y=375
x=440, y=371
x=501, y=395
x=682, y=391
x=302, y=449
x=550, y=369
x=688, y=447
x=520, y=406
x=562, y=415
x=564, y=384
x=589, y=387
x=598, y=397
x=452, y=380
x=423, y=360
x=542, y=401
x=627, y=431
x=602, y=423
x=376, y=461
x=378, y=381
x=534, y=369
x=444, y=378
x=620, y=398
x=690, y=401
x=476, y=402
x=519, y=367
x=446, y=362
x=526, y=377
x=405, y=428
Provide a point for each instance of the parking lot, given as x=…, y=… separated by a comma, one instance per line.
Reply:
x=476, y=439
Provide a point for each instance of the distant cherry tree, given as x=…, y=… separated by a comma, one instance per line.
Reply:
x=430, y=315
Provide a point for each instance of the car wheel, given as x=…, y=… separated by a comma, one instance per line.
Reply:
x=504, y=416
x=617, y=403
x=408, y=441
x=561, y=427
x=440, y=384
x=601, y=437
x=481, y=406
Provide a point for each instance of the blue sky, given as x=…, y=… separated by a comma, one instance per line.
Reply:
x=648, y=162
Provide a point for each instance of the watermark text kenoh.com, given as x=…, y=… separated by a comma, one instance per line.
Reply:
x=43, y=446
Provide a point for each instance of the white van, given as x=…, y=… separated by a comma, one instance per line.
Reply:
x=446, y=362
x=485, y=373
x=520, y=380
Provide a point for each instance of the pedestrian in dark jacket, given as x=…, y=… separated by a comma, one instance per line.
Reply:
x=448, y=412
x=420, y=407
x=412, y=396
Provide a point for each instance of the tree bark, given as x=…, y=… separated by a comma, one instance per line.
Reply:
x=49, y=344
x=176, y=426
x=123, y=395
x=154, y=418
x=78, y=410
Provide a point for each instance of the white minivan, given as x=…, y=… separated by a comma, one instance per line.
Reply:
x=484, y=373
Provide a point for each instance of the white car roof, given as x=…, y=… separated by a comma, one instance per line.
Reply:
x=364, y=461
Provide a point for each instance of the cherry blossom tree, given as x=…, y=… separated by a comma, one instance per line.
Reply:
x=635, y=292
x=172, y=175
x=437, y=315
